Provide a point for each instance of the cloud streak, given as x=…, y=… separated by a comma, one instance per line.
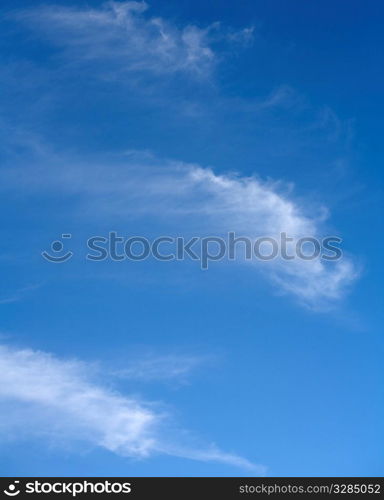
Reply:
x=62, y=399
x=150, y=368
x=18, y=294
x=123, y=32
x=202, y=201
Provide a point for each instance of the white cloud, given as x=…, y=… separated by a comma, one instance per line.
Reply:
x=198, y=200
x=61, y=399
x=254, y=208
x=123, y=32
x=160, y=368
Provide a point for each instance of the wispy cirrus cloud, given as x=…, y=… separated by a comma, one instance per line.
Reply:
x=18, y=294
x=64, y=400
x=124, y=33
x=149, y=368
x=200, y=201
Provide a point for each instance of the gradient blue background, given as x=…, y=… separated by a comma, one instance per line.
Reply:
x=297, y=390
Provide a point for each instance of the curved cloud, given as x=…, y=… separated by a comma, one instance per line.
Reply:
x=195, y=200
x=60, y=398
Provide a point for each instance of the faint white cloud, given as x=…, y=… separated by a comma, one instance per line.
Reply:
x=18, y=294
x=330, y=124
x=243, y=36
x=150, y=368
x=62, y=400
x=123, y=32
x=283, y=96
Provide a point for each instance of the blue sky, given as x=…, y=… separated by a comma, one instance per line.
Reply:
x=187, y=118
